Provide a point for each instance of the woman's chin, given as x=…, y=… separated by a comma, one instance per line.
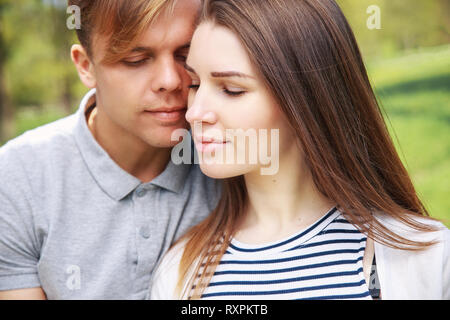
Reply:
x=223, y=171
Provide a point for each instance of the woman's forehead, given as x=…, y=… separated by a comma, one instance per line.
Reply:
x=219, y=48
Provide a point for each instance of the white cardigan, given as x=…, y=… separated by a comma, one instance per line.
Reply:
x=415, y=275
x=402, y=274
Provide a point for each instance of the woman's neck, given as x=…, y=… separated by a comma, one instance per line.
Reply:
x=282, y=204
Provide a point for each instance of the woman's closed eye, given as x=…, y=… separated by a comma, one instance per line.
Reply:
x=234, y=92
x=228, y=91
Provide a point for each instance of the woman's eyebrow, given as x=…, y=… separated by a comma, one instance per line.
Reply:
x=188, y=68
x=226, y=74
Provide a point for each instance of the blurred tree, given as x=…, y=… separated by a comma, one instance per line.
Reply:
x=30, y=69
x=6, y=110
x=405, y=24
x=444, y=8
x=62, y=40
x=39, y=72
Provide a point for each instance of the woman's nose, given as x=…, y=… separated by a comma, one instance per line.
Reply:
x=199, y=110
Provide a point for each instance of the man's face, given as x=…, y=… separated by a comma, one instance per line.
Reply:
x=144, y=96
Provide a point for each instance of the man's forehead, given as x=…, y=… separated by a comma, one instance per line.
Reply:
x=169, y=31
x=167, y=34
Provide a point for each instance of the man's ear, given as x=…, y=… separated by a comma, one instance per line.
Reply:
x=84, y=66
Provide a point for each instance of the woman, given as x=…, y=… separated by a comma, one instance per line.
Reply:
x=340, y=197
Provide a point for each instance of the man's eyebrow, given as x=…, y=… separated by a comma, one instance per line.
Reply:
x=142, y=49
x=150, y=49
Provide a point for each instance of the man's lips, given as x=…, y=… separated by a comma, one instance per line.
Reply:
x=167, y=109
x=167, y=114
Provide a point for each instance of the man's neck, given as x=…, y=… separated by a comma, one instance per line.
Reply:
x=129, y=152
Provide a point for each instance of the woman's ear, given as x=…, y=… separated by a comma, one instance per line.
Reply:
x=84, y=66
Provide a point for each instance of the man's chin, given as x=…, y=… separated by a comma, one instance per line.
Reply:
x=165, y=137
x=163, y=142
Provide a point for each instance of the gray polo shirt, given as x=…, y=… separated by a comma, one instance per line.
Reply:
x=77, y=225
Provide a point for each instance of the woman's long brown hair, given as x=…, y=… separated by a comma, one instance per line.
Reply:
x=309, y=59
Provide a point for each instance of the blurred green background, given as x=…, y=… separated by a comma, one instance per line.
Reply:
x=408, y=60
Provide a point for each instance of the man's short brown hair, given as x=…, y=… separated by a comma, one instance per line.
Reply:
x=120, y=21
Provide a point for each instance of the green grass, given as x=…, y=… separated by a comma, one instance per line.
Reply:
x=414, y=91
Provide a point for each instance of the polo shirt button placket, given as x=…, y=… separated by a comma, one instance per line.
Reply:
x=144, y=232
x=141, y=193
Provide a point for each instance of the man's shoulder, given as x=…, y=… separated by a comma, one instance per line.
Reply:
x=197, y=176
x=54, y=135
x=210, y=189
x=37, y=150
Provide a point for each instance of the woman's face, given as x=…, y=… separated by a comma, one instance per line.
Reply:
x=229, y=107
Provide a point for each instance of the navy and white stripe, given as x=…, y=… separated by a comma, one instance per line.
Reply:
x=324, y=261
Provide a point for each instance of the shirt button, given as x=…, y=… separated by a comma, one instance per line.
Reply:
x=141, y=193
x=144, y=232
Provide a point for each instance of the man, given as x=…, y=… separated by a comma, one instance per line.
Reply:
x=89, y=203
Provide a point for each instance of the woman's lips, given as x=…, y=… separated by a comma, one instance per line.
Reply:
x=208, y=145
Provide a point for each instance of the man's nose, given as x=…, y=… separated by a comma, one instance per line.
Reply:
x=167, y=76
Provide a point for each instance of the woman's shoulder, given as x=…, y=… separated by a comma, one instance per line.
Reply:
x=165, y=276
x=440, y=233
x=411, y=274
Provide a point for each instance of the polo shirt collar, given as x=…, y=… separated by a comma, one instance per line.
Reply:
x=112, y=179
x=173, y=177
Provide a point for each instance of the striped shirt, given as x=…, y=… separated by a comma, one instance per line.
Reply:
x=323, y=261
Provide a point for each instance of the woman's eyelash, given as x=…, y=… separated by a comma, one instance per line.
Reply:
x=182, y=58
x=233, y=93
x=226, y=91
